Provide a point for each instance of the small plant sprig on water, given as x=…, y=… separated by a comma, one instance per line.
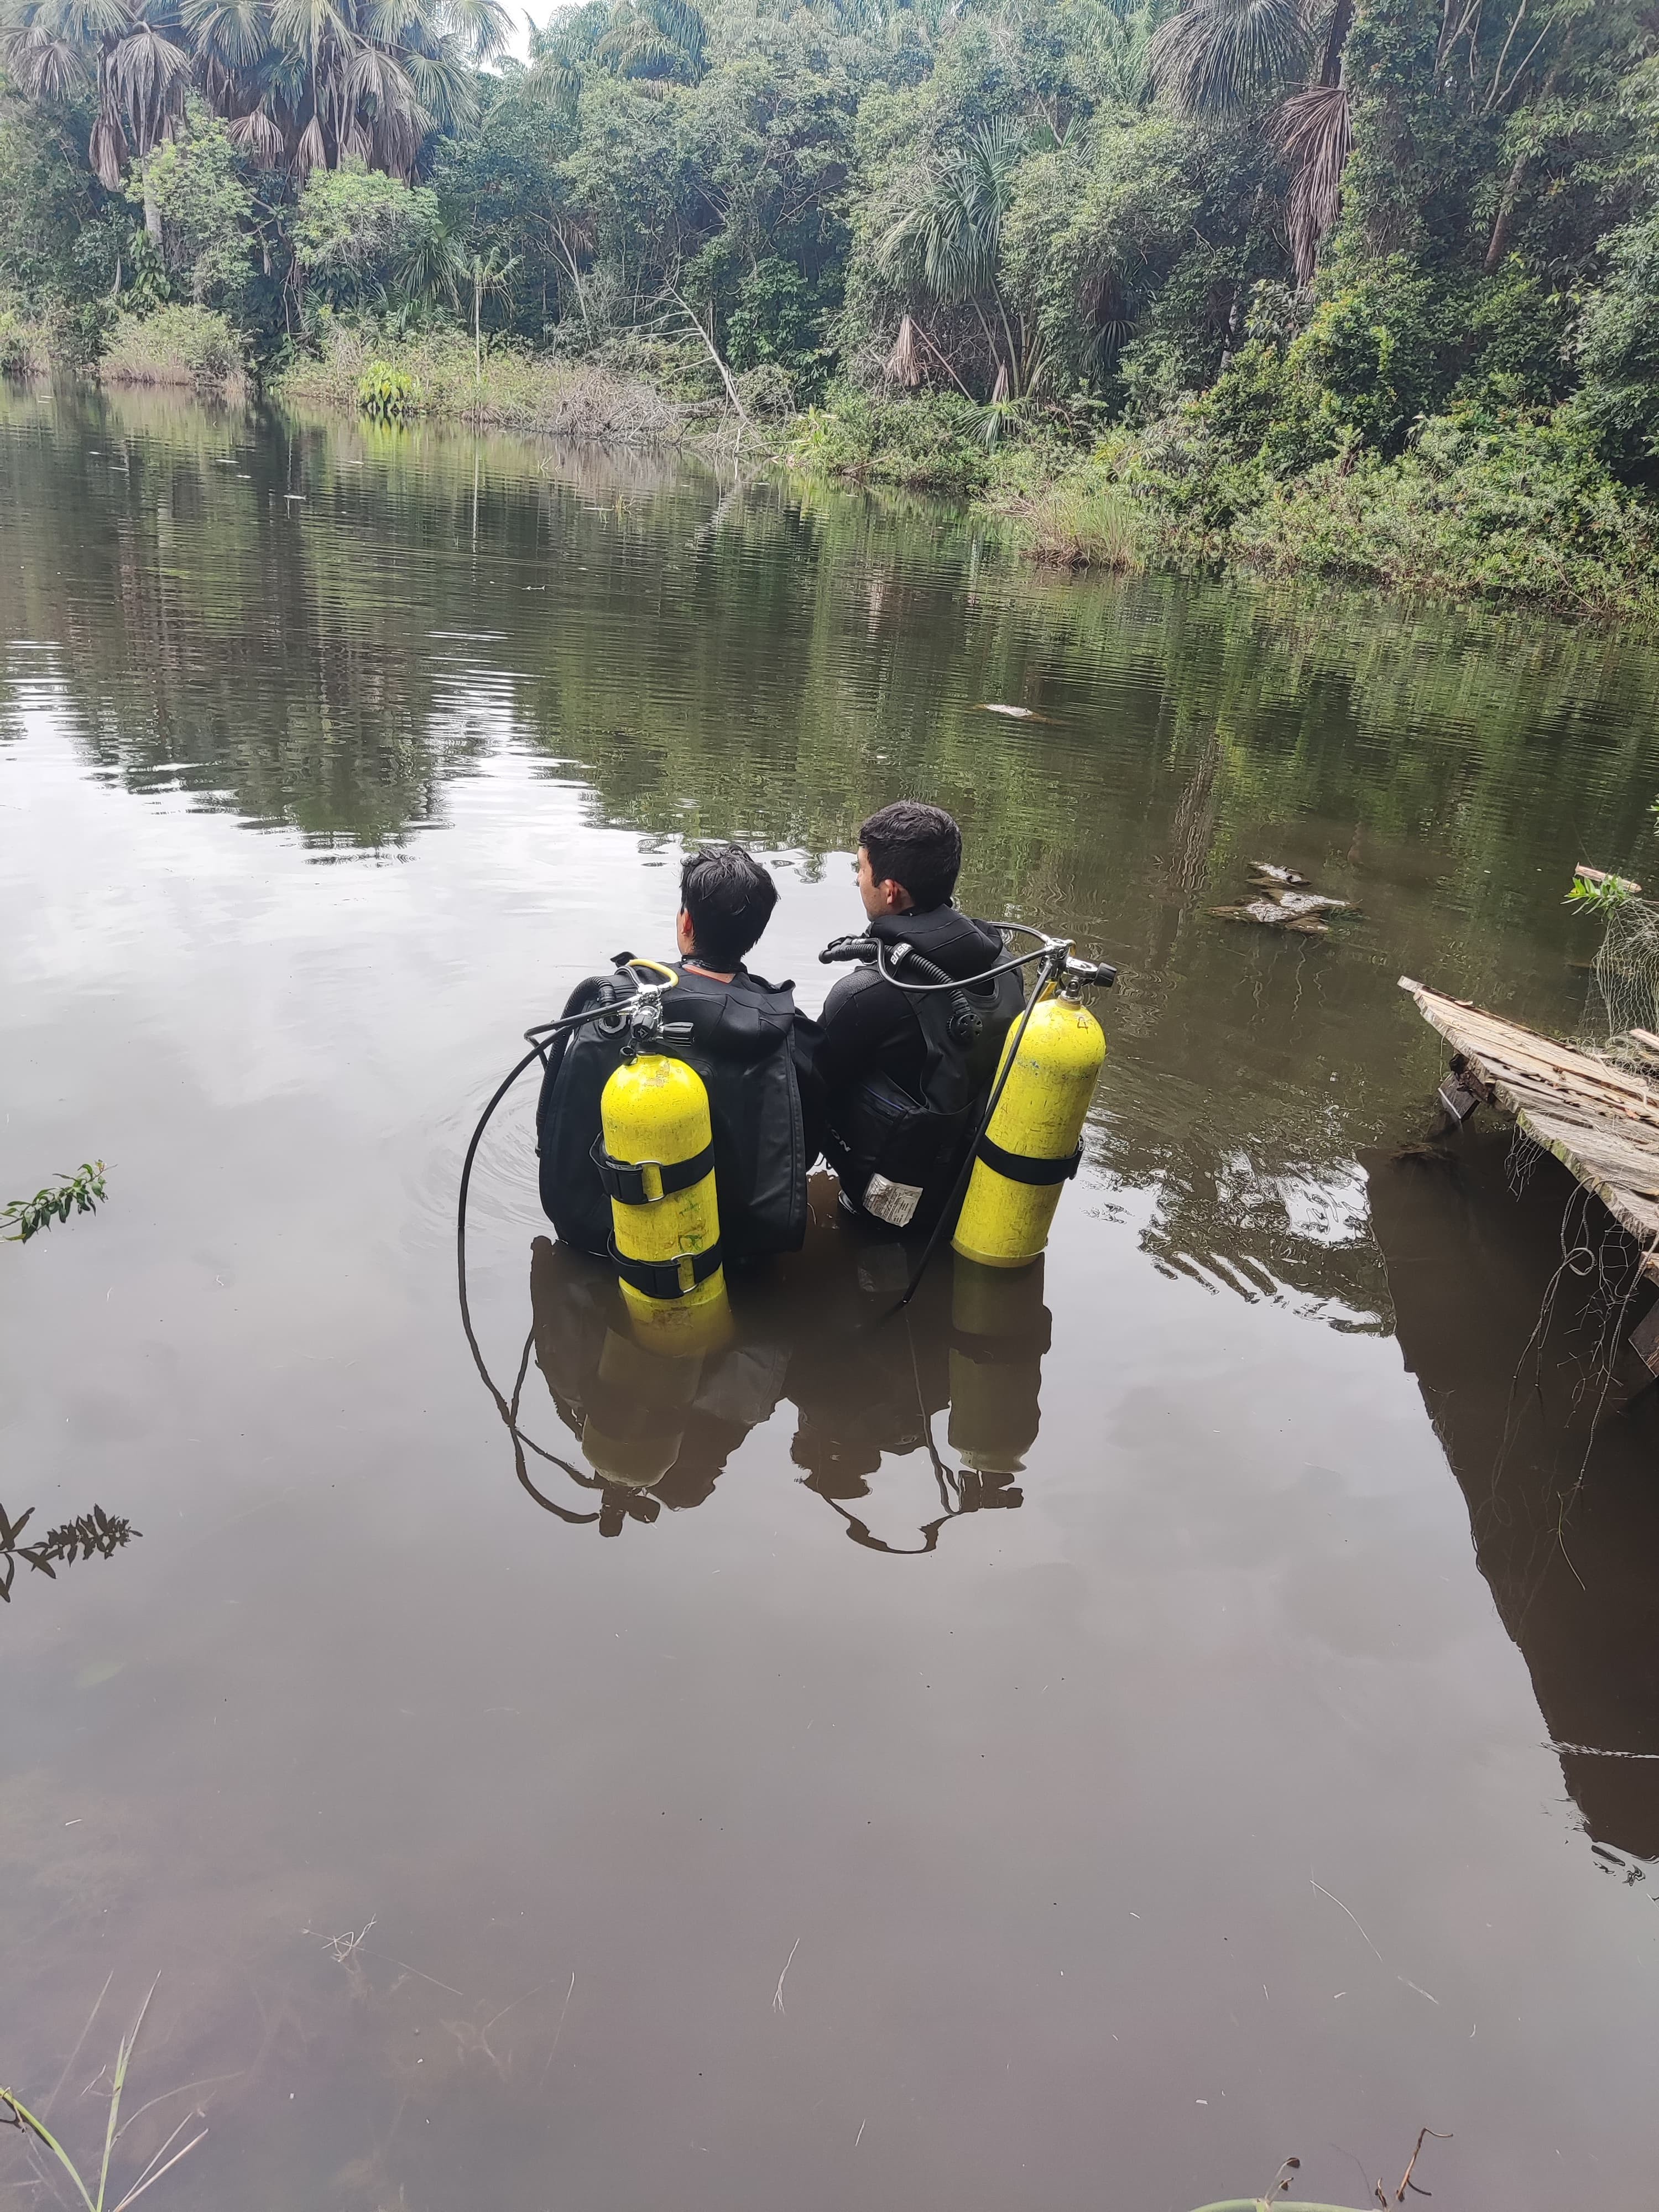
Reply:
x=1605, y=896
x=80, y=1192
x=15, y=2114
x=97, y=1531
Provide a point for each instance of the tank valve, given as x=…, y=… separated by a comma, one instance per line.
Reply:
x=1089, y=974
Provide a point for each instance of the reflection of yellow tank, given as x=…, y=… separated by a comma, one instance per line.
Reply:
x=654, y=1114
x=1000, y=1331
x=636, y=1415
x=1032, y=1146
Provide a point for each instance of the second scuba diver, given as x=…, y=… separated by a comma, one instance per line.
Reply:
x=907, y=1072
x=741, y=1035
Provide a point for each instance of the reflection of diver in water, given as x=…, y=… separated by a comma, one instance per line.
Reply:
x=658, y=1418
x=1504, y=1314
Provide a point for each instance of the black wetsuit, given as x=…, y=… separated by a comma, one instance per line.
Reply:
x=905, y=1079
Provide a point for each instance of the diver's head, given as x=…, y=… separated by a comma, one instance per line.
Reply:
x=727, y=900
x=909, y=855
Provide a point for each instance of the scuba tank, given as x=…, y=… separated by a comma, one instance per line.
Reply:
x=655, y=1158
x=1032, y=1143
x=1027, y=1140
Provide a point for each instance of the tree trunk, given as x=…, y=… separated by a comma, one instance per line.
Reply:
x=152, y=211
x=1499, y=243
x=1336, y=38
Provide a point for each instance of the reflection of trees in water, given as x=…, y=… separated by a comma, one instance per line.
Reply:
x=1555, y=1458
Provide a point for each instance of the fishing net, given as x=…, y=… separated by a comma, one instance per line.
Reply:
x=1626, y=974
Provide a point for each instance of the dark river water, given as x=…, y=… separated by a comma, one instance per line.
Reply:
x=1073, y=1751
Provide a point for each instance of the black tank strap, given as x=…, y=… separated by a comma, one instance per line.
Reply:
x=624, y=1179
x=1018, y=1168
x=660, y=1278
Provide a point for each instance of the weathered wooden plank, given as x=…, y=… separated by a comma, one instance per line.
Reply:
x=1600, y=1120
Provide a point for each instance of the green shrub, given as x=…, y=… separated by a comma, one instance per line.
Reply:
x=1079, y=517
x=1525, y=511
x=777, y=323
x=932, y=442
x=389, y=393
x=176, y=345
x=1381, y=352
x=17, y=353
x=1618, y=345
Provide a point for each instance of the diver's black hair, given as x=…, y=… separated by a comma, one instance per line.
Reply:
x=918, y=847
x=729, y=898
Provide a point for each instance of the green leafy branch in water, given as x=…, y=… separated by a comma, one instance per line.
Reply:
x=77, y=1193
x=1593, y=892
x=26, y=2122
x=97, y=1531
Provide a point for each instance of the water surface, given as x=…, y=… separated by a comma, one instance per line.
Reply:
x=1065, y=1750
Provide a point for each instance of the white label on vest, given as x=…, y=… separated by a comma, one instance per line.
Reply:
x=893, y=1202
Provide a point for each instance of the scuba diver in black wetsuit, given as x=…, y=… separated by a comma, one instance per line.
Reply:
x=745, y=1038
x=906, y=1074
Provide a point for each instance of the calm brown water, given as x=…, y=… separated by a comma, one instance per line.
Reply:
x=1073, y=1753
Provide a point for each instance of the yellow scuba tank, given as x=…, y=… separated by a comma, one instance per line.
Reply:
x=658, y=1168
x=1031, y=1146
x=656, y=1156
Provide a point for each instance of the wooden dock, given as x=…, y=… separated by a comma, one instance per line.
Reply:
x=1601, y=1120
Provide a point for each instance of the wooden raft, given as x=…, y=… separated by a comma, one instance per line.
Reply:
x=1600, y=1122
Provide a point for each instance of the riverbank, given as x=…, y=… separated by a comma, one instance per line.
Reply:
x=437, y=373
x=1511, y=506
x=1482, y=502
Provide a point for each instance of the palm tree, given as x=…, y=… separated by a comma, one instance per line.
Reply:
x=948, y=243
x=133, y=52
x=654, y=41
x=1220, y=54
x=487, y=274
x=302, y=83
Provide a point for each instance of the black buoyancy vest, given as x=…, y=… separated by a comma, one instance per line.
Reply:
x=741, y=1046
x=919, y=1143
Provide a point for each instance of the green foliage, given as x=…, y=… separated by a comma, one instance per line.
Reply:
x=192, y=348
x=360, y=234
x=1617, y=348
x=933, y=442
x=777, y=321
x=79, y=1193
x=1522, y=511
x=197, y=183
x=1607, y=896
x=390, y=394
x=18, y=352
x=1380, y=352
x=1372, y=251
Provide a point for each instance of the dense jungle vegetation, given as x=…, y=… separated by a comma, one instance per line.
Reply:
x=1368, y=287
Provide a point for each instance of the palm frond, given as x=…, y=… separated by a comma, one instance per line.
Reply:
x=107, y=149
x=1217, y=54
x=1314, y=131
x=235, y=32
x=312, y=152
x=484, y=27
x=147, y=74
x=260, y=134
x=46, y=66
